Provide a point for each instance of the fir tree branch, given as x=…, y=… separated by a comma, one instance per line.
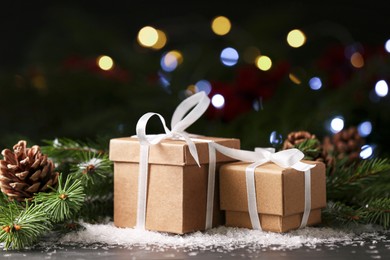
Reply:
x=22, y=227
x=65, y=149
x=310, y=147
x=377, y=211
x=92, y=168
x=349, y=181
x=64, y=202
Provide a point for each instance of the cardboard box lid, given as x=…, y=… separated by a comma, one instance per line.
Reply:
x=169, y=152
x=279, y=191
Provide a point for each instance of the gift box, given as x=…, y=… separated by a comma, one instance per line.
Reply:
x=279, y=192
x=176, y=188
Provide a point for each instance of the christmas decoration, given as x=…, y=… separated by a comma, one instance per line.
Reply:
x=26, y=171
x=58, y=207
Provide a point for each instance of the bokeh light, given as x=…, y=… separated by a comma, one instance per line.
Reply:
x=367, y=151
x=365, y=128
x=337, y=124
x=221, y=25
x=294, y=78
x=315, y=83
x=296, y=38
x=387, y=46
x=275, y=138
x=105, y=62
x=203, y=85
x=170, y=60
x=161, y=40
x=357, y=60
x=229, y=56
x=381, y=88
x=218, y=101
x=147, y=36
x=263, y=62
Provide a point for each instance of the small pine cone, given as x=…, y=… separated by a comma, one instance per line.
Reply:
x=348, y=143
x=295, y=138
x=25, y=171
x=312, y=152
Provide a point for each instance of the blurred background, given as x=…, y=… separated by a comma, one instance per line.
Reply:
x=90, y=69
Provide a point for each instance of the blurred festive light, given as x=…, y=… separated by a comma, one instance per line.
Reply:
x=161, y=40
x=337, y=124
x=366, y=151
x=275, y=138
x=192, y=89
x=221, y=25
x=381, y=88
x=218, y=101
x=147, y=36
x=296, y=38
x=263, y=62
x=203, y=85
x=168, y=62
x=178, y=56
x=164, y=80
x=357, y=60
x=250, y=54
x=387, y=46
x=365, y=128
x=315, y=83
x=105, y=62
x=257, y=104
x=229, y=56
x=294, y=78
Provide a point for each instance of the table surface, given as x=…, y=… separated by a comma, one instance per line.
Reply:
x=367, y=249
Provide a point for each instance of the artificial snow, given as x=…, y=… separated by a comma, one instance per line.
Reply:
x=221, y=239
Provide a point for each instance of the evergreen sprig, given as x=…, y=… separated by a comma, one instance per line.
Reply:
x=348, y=181
x=21, y=227
x=64, y=202
x=68, y=150
x=92, y=167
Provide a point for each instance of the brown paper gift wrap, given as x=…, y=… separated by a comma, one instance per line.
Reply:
x=177, y=187
x=280, y=195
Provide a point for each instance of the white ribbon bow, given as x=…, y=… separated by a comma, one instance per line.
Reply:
x=199, y=103
x=285, y=159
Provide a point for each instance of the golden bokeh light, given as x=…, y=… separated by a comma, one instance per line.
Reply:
x=357, y=60
x=147, y=36
x=177, y=55
x=263, y=62
x=221, y=25
x=105, y=62
x=161, y=40
x=294, y=78
x=296, y=38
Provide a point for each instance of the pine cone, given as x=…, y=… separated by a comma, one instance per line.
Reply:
x=25, y=171
x=348, y=143
x=295, y=138
x=312, y=151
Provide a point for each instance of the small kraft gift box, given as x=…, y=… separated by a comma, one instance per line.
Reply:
x=272, y=191
x=167, y=182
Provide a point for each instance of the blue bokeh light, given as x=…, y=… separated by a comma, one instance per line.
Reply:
x=315, y=83
x=229, y=56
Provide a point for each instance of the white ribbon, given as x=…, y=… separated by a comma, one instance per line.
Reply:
x=287, y=159
x=199, y=103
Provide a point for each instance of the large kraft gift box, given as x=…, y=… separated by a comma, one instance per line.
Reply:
x=177, y=186
x=280, y=195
